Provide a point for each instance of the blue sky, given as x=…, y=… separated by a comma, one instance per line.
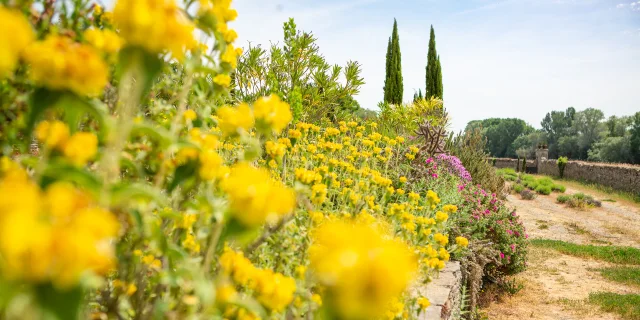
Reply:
x=499, y=58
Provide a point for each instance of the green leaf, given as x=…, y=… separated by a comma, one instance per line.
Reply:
x=159, y=134
x=183, y=173
x=76, y=107
x=60, y=171
x=124, y=192
x=135, y=57
x=41, y=100
x=63, y=305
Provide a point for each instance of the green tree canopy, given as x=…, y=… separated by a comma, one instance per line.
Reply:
x=501, y=134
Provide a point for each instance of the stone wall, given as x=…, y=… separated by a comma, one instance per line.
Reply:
x=617, y=176
x=510, y=163
x=444, y=294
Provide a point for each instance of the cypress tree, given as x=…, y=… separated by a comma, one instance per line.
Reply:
x=393, y=88
x=433, y=70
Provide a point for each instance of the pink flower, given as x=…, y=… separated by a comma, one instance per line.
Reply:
x=501, y=255
x=513, y=248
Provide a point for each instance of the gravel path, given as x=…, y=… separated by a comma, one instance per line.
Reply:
x=556, y=285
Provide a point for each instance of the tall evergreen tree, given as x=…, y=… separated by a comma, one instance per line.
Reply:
x=434, y=70
x=393, y=88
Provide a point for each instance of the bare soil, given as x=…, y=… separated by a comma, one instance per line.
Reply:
x=556, y=286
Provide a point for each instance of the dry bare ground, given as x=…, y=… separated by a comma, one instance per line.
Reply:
x=556, y=286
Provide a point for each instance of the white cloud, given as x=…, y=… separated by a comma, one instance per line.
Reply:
x=633, y=6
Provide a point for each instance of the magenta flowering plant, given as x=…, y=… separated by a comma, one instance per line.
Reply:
x=483, y=216
x=453, y=165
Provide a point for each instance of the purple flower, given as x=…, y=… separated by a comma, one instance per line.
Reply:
x=453, y=165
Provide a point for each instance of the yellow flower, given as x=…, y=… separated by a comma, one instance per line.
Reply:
x=403, y=179
x=223, y=80
x=190, y=243
x=230, y=56
x=59, y=63
x=210, y=164
x=449, y=208
x=254, y=197
x=190, y=115
x=441, y=216
x=441, y=239
x=233, y=121
x=17, y=34
x=56, y=237
x=432, y=199
x=104, y=40
x=275, y=150
x=155, y=25
x=225, y=293
x=81, y=147
x=230, y=36
x=318, y=193
x=361, y=267
x=443, y=254
x=52, y=134
x=275, y=291
x=317, y=299
x=462, y=242
x=272, y=114
x=423, y=303
x=300, y=272
x=131, y=289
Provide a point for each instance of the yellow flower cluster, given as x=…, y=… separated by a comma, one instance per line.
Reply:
x=273, y=290
x=78, y=148
x=271, y=114
x=462, y=241
x=155, y=25
x=235, y=121
x=362, y=268
x=56, y=234
x=104, y=40
x=254, y=197
x=16, y=36
x=59, y=63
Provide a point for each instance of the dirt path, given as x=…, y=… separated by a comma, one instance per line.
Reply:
x=556, y=285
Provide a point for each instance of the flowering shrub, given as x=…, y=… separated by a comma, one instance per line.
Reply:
x=149, y=196
x=487, y=217
x=453, y=166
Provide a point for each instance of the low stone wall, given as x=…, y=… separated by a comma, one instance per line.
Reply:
x=510, y=163
x=617, y=176
x=444, y=294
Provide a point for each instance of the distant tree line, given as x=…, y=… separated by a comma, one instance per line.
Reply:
x=578, y=135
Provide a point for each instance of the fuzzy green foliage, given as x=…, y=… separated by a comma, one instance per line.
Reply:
x=469, y=147
x=558, y=188
x=517, y=188
x=562, y=163
x=580, y=201
x=626, y=305
x=508, y=174
x=563, y=198
x=543, y=189
x=296, y=64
